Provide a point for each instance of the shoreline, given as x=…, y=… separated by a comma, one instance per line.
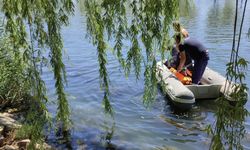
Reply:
x=10, y=122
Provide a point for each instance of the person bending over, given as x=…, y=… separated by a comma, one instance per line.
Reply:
x=175, y=60
x=197, y=52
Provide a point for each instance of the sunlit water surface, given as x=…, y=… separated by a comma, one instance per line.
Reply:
x=134, y=126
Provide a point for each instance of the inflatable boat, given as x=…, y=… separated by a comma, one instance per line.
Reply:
x=212, y=86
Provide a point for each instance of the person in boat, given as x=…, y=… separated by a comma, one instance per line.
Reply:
x=175, y=60
x=197, y=52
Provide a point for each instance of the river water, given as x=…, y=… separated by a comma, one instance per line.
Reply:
x=135, y=126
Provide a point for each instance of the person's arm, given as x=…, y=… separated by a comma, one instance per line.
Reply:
x=182, y=61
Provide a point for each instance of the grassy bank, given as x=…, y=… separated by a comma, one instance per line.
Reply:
x=22, y=115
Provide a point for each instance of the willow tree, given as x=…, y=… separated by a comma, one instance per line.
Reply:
x=33, y=29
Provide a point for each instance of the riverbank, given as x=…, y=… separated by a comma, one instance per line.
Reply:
x=10, y=121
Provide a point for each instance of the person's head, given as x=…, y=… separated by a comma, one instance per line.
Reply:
x=178, y=28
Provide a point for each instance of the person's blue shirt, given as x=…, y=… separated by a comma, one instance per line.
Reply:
x=195, y=49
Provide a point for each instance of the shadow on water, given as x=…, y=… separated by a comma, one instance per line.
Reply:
x=193, y=119
x=226, y=131
x=88, y=138
x=106, y=138
x=59, y=139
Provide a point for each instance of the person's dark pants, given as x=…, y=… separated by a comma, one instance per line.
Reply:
x=199, y=68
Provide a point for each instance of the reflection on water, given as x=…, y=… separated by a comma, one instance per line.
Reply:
x=220, y=19
x=188, y=9
x=134, y=126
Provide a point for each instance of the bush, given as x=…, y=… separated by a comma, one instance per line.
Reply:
x=13, y=83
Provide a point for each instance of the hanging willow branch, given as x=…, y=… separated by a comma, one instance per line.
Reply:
x=230, y=129
x=147, y=26
x=44, y=19
x=95, y=26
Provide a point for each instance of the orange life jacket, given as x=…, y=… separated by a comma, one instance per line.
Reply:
x=186, y=80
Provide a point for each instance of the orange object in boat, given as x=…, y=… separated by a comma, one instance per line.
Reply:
x=184, y=79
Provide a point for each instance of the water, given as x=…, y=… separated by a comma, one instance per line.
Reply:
x=136, y=127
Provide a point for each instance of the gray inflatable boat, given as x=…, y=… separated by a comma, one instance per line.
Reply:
x=212, y=86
